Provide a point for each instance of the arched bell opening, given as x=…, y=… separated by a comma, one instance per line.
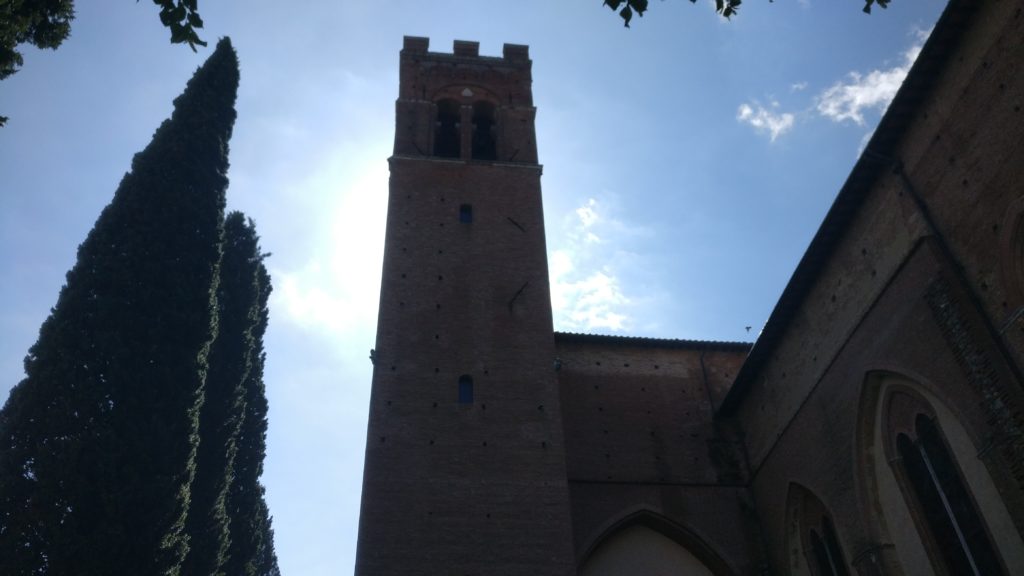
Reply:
x=484, y=131
x=447, y=140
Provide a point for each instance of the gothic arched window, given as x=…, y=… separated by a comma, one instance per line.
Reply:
x=940, y=501
x=814, y=532
x=828, y=557
x=484, y=145
x=447, y=137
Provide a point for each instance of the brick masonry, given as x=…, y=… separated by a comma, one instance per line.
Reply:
x=571, y=437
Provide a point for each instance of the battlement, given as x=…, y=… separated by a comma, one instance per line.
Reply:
x=511, y=53
x=461, y=105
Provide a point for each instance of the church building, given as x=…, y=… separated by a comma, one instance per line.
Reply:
x=876, y=426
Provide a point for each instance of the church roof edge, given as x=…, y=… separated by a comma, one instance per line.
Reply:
x=651, y=342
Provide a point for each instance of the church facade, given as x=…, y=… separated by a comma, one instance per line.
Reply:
x=876, y=427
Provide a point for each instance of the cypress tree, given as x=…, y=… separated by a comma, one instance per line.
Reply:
x=238, y=308
x=98, y=441
x=251, y=552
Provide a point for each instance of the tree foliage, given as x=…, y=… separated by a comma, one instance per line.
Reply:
x=881, y=4
x=44, y=24
x=728, y=8
x=251, y=552
x=220, y=420
x=47, y=23
x=98, y=442
x=182, y=18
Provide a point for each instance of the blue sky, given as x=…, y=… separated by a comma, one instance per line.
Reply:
x=687, y=163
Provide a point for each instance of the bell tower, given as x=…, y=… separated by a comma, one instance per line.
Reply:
x=465, y=461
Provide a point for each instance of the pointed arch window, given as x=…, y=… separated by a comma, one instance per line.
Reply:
x=817, y=534
x=940, y=501
x=828, y=556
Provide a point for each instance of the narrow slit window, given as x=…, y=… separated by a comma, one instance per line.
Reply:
x=465, y=389
x=466, y=213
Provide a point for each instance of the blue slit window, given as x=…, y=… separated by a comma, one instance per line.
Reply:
x=466, y=213
x=465, y=389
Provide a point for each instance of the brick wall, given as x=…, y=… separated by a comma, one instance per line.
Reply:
x=640, y=436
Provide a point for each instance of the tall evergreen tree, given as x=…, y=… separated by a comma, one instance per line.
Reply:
x=98, y=442
x=231, y=358
x=251, y=552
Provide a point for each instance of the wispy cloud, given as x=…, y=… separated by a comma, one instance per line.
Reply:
x=590, y=303
x=586, y=291
x=765, y=119
x=849, y=100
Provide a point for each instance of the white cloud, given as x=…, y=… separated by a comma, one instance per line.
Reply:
x=764, y=120
x=586, y=290
x=849, y=100
x=589, y=303
x=588, y=216
x=846, y=100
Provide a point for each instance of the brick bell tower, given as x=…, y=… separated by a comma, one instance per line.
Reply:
x=465, y=461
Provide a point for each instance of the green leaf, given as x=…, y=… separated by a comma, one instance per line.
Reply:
x=194, y=39
x=627, y=15
x=613, y=4
x=639, y=5
x=166, y=18
x=179, y=33
x=883, y=4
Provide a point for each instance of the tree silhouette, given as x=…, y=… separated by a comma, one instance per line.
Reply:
x=252, y=538
x=231, y=360
x=98, y=442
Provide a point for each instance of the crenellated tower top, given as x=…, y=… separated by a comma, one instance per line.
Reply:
x=464, y=106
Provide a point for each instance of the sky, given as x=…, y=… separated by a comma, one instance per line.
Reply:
x=687, y=160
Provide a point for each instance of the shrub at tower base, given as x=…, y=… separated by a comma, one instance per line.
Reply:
x=98, y=442
x=241, y=305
